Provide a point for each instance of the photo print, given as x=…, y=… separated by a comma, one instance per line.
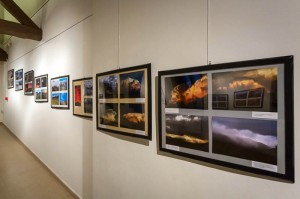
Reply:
x=187, y=131
x=132, y=116
x=38, y=94
x=10, y=79
x=63, y=84
x=109, y=114
x=132, y=85
x=88, y=87
x=108, y=87
x=55, y=85
x=41, y=88
x=28, y=83
x=88, y=105
x=77, y=94
x=63, y=99
x=38, y=83
x=44, y=93
x=249, y=139
x=59, y=92
x=55, y=99
x=83, y=97
x=188, y=91
x=44, y=81
x=19, y=80
x=251, y=90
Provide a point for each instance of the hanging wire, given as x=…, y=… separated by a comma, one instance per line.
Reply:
x=207, y=12
x=118, y=67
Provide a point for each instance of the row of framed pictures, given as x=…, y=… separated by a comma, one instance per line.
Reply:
x=59, y=93
x=238, y=115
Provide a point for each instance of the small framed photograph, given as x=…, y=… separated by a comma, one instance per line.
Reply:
x=238, y=115
x=19, y=80
x=41, y=88
x=10, y=78
x=29, y=83
x=83, y=97
x=60, y=92
x=124, y=101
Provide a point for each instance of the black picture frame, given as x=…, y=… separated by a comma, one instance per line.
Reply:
x=19, y=80
x=274, y=158
x=60, y=92
x=83, y=98
x=41, y=89
x=10, y=79
x=29, y=82
x=125, y=92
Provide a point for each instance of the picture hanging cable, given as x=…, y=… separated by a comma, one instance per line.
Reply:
x=207, y=16
x=118, y=67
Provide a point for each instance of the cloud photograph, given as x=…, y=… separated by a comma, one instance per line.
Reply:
x=249, y=139
x=188, y=131
x=188, y=91
x=251, y=90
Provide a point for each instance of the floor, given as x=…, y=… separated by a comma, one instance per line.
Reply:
x=22, y=176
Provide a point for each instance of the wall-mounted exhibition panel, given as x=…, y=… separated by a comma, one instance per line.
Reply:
x=83, y=97
x=124, y=101
x=238, y=115
x=60, y=92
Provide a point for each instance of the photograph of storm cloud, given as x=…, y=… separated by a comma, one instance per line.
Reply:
x=189, y=91
x=188, y=131
x=132, y=85
x=109, y=114
x=249, y=139
x=133, y=116
x=240, y=86
x=108, y=87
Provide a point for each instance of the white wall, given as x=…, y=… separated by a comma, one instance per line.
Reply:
x=173, y=34
x=61, y=140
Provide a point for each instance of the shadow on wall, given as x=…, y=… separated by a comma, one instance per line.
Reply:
x=127, y=138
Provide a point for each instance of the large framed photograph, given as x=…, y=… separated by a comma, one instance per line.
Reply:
x=60, y=92
x=83, y=97
x=10, y=78
x=238, y=115
x=124, y=101
x=19, y=80
x=29, y=83
x=41, y=88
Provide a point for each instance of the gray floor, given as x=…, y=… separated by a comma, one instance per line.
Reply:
x=22, y=176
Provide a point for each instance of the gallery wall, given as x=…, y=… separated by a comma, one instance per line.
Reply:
x=62, y=141
x=174, y=34
x=168, y=34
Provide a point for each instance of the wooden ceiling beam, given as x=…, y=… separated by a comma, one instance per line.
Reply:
x=17, y=12
x=3, y=55
x=19, y=30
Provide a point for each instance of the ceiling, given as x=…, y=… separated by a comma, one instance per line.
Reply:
x=30, y=7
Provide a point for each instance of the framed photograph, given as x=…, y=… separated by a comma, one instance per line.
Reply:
x=41, y=88
x=29, y=83
x=19, y=80
x=124, y=101
x=83, y=97
x=10, y=79
x=60, y=92
x=238, y=115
